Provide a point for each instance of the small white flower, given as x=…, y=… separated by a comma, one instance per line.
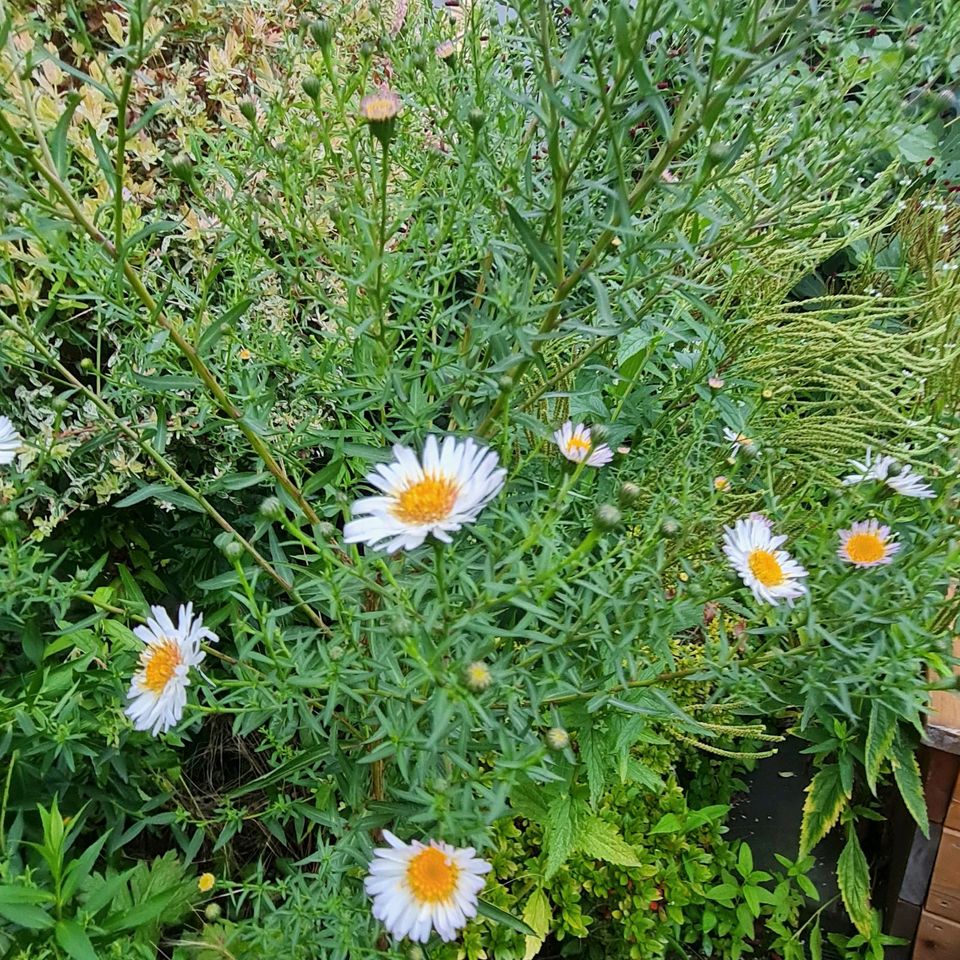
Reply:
x=9, y=441
x=575, y=444
x=906, y=482
x=417, y=887
x=449, y=489
x=753, y=551
x=739, y=441
x=867, y=544
x=158, y=691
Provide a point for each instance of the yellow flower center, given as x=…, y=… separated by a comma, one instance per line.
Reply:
x=159, y=663
x=577, y=443
x=432, y=876
x=866, y=548
x=205, y=882
x=427, y=501
x=764, y=566
x=379, y=108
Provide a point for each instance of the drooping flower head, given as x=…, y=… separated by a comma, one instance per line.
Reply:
x=158, y=691
x=417, y=887
x=449, y=489
x=576, y=445
x=9, y=441
x=867, y=544
x=901, y=479
x=739, y=441
x=754, y=552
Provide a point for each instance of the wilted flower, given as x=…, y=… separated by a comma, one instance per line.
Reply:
x=739, y=441
x=867, y=544
x=721, y=484
x=453, y=484
x=899, y=478
x=752, y=549
x=9, y=441
x=158, y=691
x=417, y=887
x=575, y=444
x=478, y=676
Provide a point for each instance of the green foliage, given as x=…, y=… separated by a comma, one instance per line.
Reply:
x=222, y=300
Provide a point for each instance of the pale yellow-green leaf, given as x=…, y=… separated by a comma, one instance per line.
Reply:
x=536, y=914
x=821, y=810
x=853, y=878
x=601, y=840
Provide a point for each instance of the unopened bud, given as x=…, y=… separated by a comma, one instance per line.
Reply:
x=212, y=911
x=415, y=952
x=325, y=529
x=718, y=152
x=8, y=518
x=607, y=516
x=367, y=49
x=505, y=383
x=271, y=509
x=669, y=528
x=478, y=676
x=248, y=110
x=335, y=652
x=766, y=393
x=895, y=469
x=322, y=32
x=402, y=626
x=233, y=550
x=557, y=738
x=181, y=167
x=629, y=494
x=59, y=404
x=311, y=86
x=475, y=118
x=420, y=62
x=86, y=364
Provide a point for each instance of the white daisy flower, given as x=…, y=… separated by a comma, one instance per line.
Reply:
x=905, y=482
x=752, y=549
x=416, y=887
x=449, y=489
x=740, y=441
x=867, y=544
x=158, y=691
x=575, y=444
x=9, y=441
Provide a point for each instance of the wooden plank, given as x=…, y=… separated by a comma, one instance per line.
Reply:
x=937, y=938
x=952, y=819
x=940, y=780
x=944, y=902
x=946, y=871
x=943, y=721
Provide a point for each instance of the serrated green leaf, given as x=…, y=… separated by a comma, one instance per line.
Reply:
x=853, y=878
x=561, y=830
x=880, y=732
x=906, y=772
x=592, y=754
x=602, y=841
x=536, y=914
x=816, y=942
x=822, y=808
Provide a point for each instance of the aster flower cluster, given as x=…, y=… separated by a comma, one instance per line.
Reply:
x=755, y=551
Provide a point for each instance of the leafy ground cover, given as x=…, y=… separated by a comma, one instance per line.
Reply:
x=445, y=447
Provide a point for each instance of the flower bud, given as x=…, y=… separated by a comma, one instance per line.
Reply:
x=476, y=118
x=402, y=626
x=233, y=550
x=248, y=110
x=446, y=51
x=181, y=167
x=505, y=383
x=420, y=62
x=311, y=86
x=59, y=404
x=766, y=393
x=271, y=509
x=212, y=911
x=607, y=517
x=367, y=50
x=478, y=676
x=86, y=364
x=718, y=152
x=629, y=494
x=336, y=652
x=557, y=738
x=669, y=528
x=8, y=518
x=325, y=529
x=895, y=469
x=415, y=952
x=322, y=32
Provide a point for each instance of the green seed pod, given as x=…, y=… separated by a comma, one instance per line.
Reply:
x=59, y=404
x=607, y=517
x=271, y=509
x=476, y=118
x=629, y=494
x=212, y=911
x=718, y=152
x=311, y=86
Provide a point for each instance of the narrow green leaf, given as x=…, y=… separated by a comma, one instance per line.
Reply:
x=906, y=772
x=880, y=732
x=592, y=750
x=821, y=810
x=538, y=250
x=853, y=878
x=497, y=915
x=816, y=942
x=74, y=940
x=26, y=915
